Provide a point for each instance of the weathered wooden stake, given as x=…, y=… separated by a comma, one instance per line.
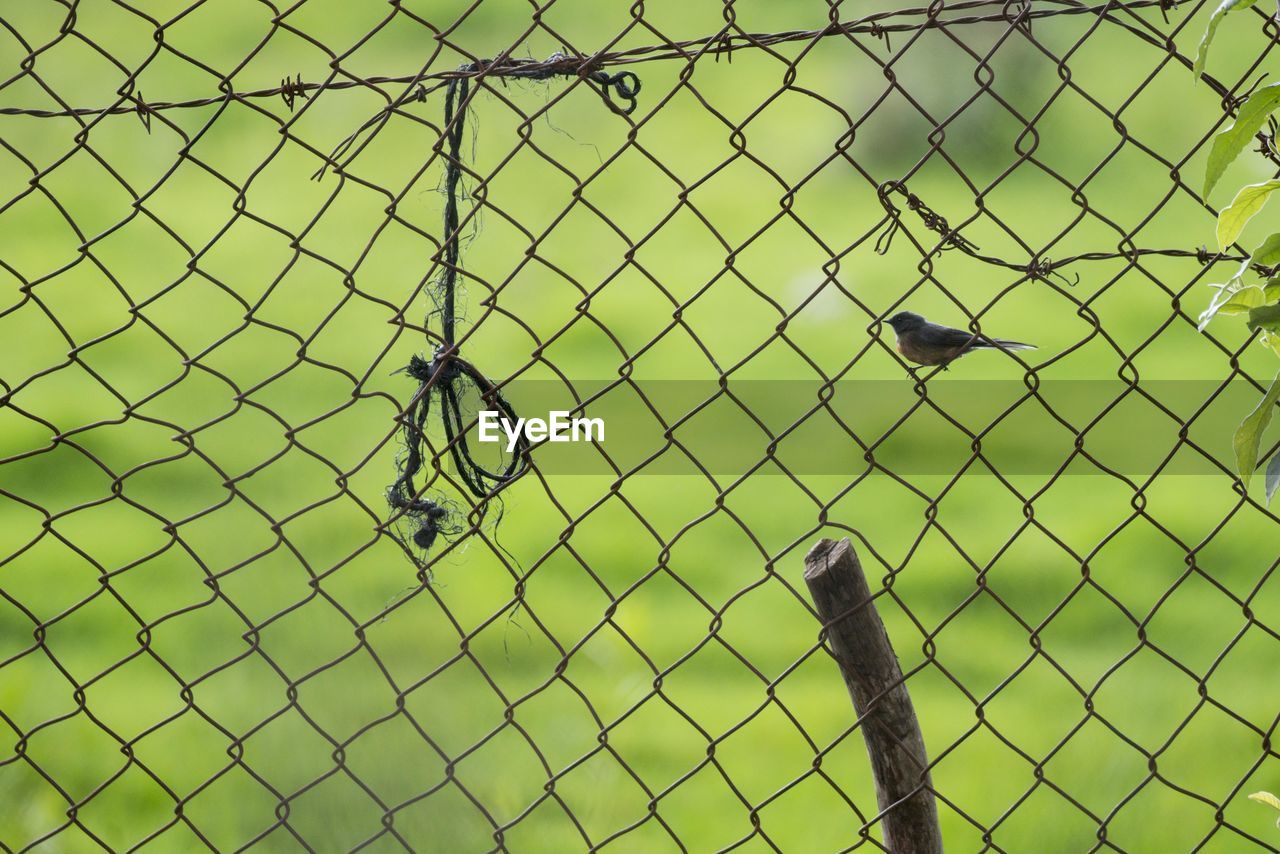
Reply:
x=870, y=668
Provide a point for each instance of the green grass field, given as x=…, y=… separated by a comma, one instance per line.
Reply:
x=197, y=609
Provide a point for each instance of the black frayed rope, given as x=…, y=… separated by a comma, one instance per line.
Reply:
x=625, y=85
x=619, y=92
x=447, y=375
x=447, y=372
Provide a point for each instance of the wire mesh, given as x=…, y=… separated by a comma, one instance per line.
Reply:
x=216, y=632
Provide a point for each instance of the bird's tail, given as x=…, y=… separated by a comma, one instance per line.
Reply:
x=1003, y=344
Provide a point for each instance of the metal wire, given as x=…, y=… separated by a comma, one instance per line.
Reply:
x=454, y=653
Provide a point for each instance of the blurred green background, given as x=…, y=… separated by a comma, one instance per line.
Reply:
x=204, y=640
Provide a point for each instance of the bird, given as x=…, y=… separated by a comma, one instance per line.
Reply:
x=928, y=343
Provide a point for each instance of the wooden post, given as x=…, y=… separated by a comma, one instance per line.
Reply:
x=909, y=814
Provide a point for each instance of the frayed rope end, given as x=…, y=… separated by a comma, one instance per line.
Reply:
x=430, y=517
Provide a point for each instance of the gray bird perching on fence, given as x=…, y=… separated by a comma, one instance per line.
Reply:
x=928, y=343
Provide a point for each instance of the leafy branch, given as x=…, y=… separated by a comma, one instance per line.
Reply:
x=1254, y=290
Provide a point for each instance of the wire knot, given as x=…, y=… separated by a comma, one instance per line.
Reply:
x=430, y=517
x=442, y=368
x=879, y=32
x=449, y=377
x=1044, y=268
x=292, y=89
x=143, y=110
x=723, y=43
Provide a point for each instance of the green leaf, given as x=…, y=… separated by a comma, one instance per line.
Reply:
x=1229, y=142
x=1230, y=300
x=1267, y=254
x=1273, y=482
x=1266, y=798
x=1249, y=433
x=1234, y=298
x=1202, y=52
x=1219, y=300
x=1248, y=297
x=1233, y=218
x=1265, y=317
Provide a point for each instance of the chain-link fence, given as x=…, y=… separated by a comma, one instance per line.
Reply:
x=265, y=266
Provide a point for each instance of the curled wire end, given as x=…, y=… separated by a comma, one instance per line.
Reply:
x=885, y=239
x=320, y=173
x=951, y=239
x=625, y=85
x=1233, y=102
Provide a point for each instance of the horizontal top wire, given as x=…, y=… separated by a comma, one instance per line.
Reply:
x=724, y=42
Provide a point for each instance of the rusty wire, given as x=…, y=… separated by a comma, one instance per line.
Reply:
x=908, y=218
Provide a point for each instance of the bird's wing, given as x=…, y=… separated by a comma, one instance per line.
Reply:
x=944, y=336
